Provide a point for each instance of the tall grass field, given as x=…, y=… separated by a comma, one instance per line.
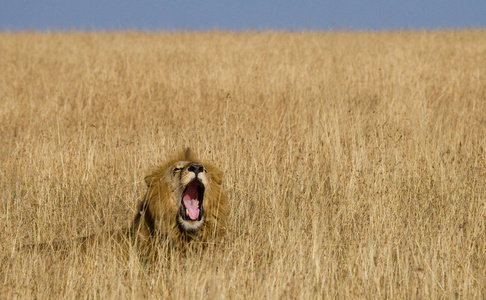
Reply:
x=354, y=162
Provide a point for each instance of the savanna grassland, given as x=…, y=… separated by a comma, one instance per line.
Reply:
x=355, y=163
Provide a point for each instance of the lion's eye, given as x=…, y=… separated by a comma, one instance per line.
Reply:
x=176, y=170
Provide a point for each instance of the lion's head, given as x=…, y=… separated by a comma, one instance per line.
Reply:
x=184, y=202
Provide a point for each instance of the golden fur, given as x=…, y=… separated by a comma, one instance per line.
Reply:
x=161, y=214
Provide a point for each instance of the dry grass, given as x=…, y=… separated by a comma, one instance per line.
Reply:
x=355, y=162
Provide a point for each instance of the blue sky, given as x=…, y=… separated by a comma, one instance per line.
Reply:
x=52, y=15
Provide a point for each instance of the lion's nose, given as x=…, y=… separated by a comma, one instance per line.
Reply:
x=196, y=168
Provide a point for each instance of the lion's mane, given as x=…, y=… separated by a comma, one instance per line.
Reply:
x=162, y=217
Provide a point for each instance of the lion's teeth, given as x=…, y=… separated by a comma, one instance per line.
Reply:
x=197, y=204
x=187, y=212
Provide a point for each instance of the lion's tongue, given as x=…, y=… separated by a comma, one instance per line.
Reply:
x=191, y=206
x=190, y=201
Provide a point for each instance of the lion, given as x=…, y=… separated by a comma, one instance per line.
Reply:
x=183, y=208
x=184, y=205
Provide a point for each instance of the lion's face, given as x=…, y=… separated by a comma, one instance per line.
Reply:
x=189, y=180
x=184, y=203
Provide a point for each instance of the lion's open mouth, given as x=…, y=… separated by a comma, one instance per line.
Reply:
x=192, y=201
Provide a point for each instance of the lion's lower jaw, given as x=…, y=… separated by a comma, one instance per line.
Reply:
x=190, y=225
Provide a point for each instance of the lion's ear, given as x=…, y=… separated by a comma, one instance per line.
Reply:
x=216, y=174
x=188, y=154
x=149, y=180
